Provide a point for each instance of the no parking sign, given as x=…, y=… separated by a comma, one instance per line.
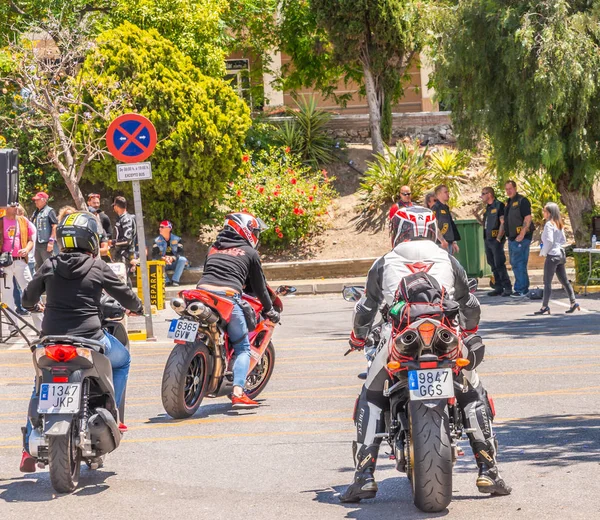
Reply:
x=131, y=138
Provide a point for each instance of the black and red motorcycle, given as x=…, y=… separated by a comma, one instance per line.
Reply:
x=199, y=364
x=423, y=423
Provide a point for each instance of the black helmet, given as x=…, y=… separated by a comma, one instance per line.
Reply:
x=79, y=231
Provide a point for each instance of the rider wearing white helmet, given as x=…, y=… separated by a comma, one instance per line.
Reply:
x=231, y=267
x=414, y=232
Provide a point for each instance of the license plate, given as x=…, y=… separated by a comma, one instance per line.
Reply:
x=183, y=330
x=436, y=383
x=59, y=398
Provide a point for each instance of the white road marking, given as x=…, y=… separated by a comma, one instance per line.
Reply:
x=568, y=306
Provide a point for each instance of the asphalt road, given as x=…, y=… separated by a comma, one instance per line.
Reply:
x=288, y=458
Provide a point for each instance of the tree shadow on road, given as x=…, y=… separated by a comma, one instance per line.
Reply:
x=550, y=440
x=37, y=487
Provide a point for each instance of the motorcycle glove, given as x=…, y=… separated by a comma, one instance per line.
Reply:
x=476, y=350
x=273, y=315
x=356, y=343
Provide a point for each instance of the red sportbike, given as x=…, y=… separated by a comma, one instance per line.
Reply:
x=200, y=364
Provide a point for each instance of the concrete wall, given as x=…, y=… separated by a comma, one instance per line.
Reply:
x=428, y=127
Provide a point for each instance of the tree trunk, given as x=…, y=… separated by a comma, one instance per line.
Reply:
x=578, y=204
x=72, y=184
x=374, y=101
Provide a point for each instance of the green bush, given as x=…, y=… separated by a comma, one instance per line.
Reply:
x=290, y=197
x=200, y=121
x=540, y=189
x=305, y=134
x=447, y=167
x=407, y=166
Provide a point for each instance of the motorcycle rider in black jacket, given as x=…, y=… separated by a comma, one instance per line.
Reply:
x=415, y=232
x=73, y=282
x=232, y=263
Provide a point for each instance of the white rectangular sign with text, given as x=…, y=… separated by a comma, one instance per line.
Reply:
x=134, y=172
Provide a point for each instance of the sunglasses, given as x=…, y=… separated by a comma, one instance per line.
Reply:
x=406, y=194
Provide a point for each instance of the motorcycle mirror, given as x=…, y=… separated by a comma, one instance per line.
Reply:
x=473, y=285
x=284, y=290
x=353, y=293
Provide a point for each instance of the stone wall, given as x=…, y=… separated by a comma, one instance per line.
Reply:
x=428, y=127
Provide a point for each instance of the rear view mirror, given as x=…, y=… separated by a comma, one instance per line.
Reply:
x=473, y=285
x=284, y=290
x=353, y=293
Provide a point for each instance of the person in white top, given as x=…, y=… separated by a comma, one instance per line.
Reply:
x=553, y=238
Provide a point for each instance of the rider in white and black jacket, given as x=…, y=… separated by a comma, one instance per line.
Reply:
x=415, y=232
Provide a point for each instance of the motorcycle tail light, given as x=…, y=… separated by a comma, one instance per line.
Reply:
x=60, y=379
x=426, y=331
x=61, y=353
x=428, y=364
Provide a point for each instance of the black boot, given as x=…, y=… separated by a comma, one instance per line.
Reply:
x=490, y=481
x=363, y=487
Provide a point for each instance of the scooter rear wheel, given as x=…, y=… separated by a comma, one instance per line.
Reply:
x=65, y=461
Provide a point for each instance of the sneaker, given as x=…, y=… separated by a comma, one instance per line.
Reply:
x=175, y=284
x=517, y=294
x=123, y=428
x=244, y=402
x=363, y=376
x=507, y=292
x=27, y=463
x=363, y=487
x=495, y=292
x=490, y=481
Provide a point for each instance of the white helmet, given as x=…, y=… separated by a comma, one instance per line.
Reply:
x=247, y=226
x=413, y=223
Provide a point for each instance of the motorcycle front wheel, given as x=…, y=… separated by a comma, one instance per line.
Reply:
x=185, y=379
x=64, y=459
x=430, y=451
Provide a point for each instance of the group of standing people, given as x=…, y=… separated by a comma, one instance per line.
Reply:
x=513, y=222
x=26, y=244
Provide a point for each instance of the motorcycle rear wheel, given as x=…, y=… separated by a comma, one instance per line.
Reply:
x=185, y=379
x=65, y=461
x=259, y=377
x=430, y=457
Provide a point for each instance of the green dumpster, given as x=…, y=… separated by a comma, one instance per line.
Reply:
x=472, y=249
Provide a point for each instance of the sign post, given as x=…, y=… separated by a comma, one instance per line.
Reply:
x=131, y=138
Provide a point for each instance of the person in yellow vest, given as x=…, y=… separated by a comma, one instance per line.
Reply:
x=16, y=241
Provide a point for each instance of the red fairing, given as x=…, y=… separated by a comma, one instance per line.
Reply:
x=222, y=305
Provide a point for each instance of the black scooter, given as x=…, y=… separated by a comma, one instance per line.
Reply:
x=73, y=414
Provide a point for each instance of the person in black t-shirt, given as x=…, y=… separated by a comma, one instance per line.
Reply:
x=232, y=263
x=493, y=236
x=519, y=230
x=448, y=232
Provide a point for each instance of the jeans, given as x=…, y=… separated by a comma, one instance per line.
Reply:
x=519, y=257
x=177, y=266
x=17, y=297
x=238, y=337
x=556, y=264
x=119, y=359
x=494, y=252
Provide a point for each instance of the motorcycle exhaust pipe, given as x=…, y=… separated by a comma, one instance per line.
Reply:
x=178, y=305
x=202, y=312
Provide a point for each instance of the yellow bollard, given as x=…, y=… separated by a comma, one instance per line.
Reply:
x=156, y=272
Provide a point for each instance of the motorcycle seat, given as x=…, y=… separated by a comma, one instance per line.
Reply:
x=98, y=346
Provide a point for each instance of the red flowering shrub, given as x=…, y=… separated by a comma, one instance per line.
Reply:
x=289, y=196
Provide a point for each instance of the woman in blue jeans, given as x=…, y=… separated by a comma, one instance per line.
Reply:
x=73, y=282
x=232, y=265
